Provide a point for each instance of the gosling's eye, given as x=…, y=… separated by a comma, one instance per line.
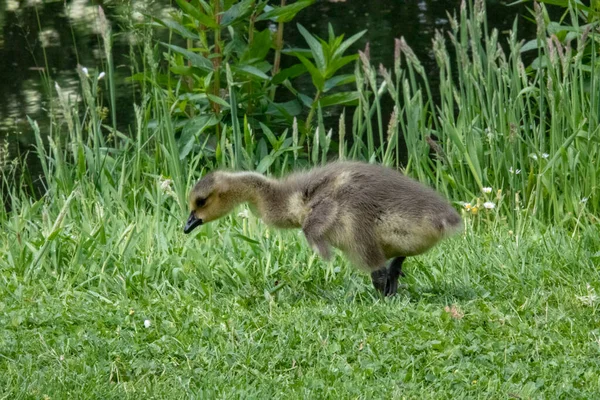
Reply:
x=200, y=202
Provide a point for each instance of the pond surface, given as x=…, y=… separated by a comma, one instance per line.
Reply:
x=41, y=39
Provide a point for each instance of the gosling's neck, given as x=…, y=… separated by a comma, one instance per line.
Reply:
x=249, y=187
x=267, y=198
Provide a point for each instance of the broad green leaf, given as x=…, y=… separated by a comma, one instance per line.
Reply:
x=218, y=100
x=264, y=164
x=288, y=109
x=295, y=51
x=347, y=43
x=191, y=130
x=339, y=63
x=269, y=134
x=285, y=13
x=177, y=27
x=250, y=70
x=315, y=74
x=289, y=73
x=196, y=59
x=236, y=12
x=315, y=48
x=197, y=14
x=339, y=99
x=259, y=48
x=339, y=80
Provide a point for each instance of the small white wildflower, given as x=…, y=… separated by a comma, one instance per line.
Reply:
x=102, y=74
x=486, y=190
x=244, y=214
x=590, y=298
x=512, y=171
x=489, y=205
x=545, y=155
x=147, y=323
x=62, y=357
x=165, y=184
x=584, y=200
x=533, y=156
x=85, y=71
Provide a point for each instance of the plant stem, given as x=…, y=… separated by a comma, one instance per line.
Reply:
x=278, y=47
x=217, y=62
x=311, y=113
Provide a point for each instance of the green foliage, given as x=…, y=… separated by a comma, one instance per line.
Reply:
x=583, y=29
x=533, y=138
x=507, y=309
x=226, y=61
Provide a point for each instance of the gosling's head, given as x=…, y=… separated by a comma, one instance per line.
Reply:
x=209, y=200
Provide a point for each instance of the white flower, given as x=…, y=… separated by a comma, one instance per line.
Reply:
x=165, y=184
x=584, y=200
x=147, y=323
x=102, y=74
x=533, y=156
x=85, y=71
x=590, y=298
x=244, y=214
x=486, y=190
x=545, y=155
x=489, y=205
x=512, y=171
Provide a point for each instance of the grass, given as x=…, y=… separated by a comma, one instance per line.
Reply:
x=240, y=311
x=103, y=296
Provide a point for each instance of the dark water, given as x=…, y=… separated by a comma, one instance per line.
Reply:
x=66, y=33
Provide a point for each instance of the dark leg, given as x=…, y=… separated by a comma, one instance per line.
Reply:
x=379, y=279
x=394, y=272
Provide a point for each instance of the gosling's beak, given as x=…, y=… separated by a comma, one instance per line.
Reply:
x=192, y=223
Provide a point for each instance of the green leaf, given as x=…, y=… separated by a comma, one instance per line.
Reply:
x=347, y=43
x=289, y=73
x=177, y=27
x=315, y=47
x=197, y=14
x=339, y=63
x=339, y=99
x=339, y=80
x=317, y=77
x=218, y=100
x=196, y=59
x=295, y=51
x=285, y=13
x=259, y=48
x=250, y=70
x=531, y=45
x=236, y=12
x=264, y=164
x=269, y=134
x=191, y=130
x=288, y=109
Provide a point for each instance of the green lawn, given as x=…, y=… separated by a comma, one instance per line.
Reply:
x=240, y=311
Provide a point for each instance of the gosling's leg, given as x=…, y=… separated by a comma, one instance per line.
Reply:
x=385, y=280
x=379, y=279
x=394, y=272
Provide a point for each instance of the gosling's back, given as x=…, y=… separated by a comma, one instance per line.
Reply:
x=378, y=206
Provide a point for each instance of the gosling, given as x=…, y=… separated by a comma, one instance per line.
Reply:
x=370, y=212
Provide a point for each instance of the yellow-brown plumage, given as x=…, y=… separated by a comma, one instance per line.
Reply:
x=370, y=212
